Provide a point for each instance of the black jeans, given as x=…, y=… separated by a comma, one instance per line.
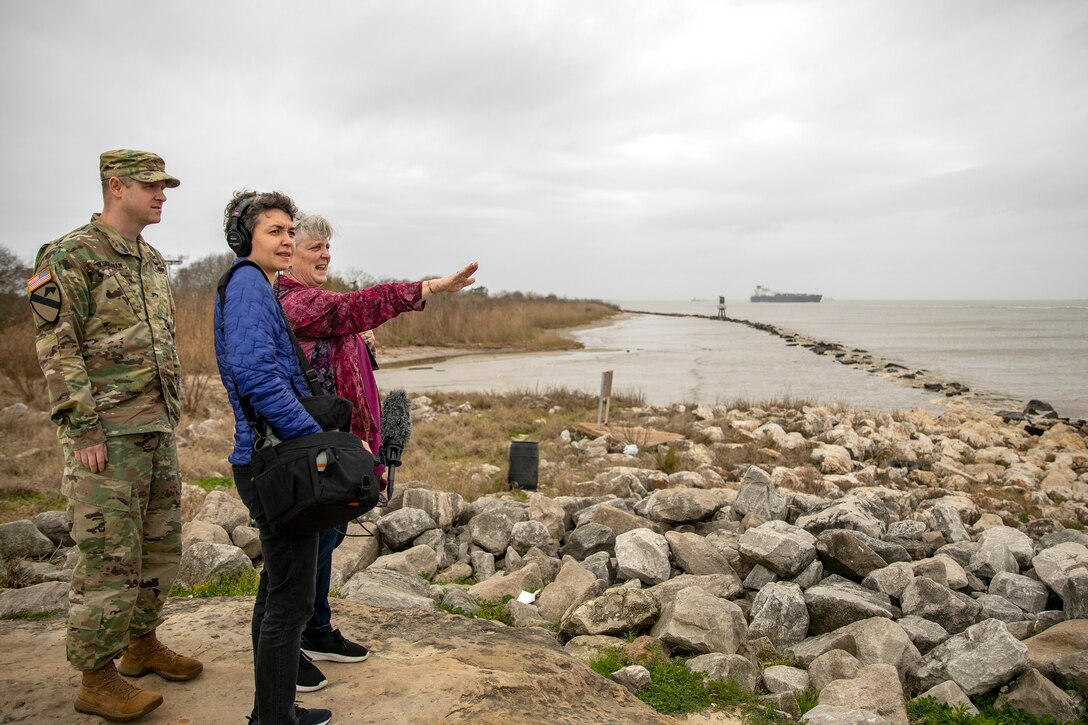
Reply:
x=285, y=601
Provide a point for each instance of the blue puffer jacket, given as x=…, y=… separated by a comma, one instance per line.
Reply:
x=257, y=361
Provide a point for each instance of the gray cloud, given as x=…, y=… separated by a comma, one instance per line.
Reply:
x=614, y=149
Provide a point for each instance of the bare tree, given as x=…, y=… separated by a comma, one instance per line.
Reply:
x=13, y=272
x=200, y=277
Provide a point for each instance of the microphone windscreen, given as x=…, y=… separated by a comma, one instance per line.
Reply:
x=396, y=419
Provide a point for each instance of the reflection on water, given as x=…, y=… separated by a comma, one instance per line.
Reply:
x=670, y=359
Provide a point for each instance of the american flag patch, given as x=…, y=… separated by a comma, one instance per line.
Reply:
x=38, y=280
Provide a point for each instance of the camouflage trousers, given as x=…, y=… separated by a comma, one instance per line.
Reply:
x=126, y=521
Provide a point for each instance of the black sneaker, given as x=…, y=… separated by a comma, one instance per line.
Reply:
x=313, y=716
x=309, y=677
x=332, y=647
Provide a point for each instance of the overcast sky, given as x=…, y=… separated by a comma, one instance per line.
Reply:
x=863, y=149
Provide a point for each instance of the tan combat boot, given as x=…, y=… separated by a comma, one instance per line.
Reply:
x=105, y=694
x=147, y=654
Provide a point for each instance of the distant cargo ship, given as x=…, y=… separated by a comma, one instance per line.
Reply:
x=767, y=295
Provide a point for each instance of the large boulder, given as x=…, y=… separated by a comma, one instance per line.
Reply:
x=1017, y=542
x=979, y=659
x=356, y=552
x=1039, y=697
x=572, y=582
x=207, y=562
x=491, y=530
x=718, y=666
x=830, y=666
x=1026, y=593
x=524, y=535
x=644, y=555
x=784, y=549
x=54, y=524
x=614, y=612
x=1051, y=645
x=549, y=512
x=401, y=527
x=1057, y=565
x=698, y=622
x=419, y=560
x=618, y=520
x=199, y=530
x=226, y=511
x=443, y=507
x=779, y=613
x=758, y=495
x=694, y=555
x=880, y=641
x=36, y=599
x=684, y=505
x=527, y=578
x=846, y=513
x=724, y=586
x=21, y=540
x=845, y=553
x=875, y=688
x=926, y=598
x=388, y=589
x=836, y=603
x=589, y=539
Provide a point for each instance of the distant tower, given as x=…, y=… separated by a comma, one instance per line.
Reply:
x=721, y=307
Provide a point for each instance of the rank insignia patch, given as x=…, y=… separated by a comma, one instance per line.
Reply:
x=44, y=295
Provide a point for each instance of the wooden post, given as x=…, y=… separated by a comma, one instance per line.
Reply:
x=605, y=400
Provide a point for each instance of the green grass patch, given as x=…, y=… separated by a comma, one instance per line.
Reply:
x=209, y=484
x=24, y=503
x=495, y=611
x=29, y=616
x=243, y=585
x=927, y=711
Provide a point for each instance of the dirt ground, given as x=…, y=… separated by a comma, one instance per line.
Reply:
x=425, y=667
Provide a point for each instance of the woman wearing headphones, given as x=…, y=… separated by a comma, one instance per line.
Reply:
x=258, y=365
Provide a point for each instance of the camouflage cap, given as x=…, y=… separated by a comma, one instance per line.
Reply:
x=139, y=165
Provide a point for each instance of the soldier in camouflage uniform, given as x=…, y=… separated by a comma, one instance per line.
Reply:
x=105, y=338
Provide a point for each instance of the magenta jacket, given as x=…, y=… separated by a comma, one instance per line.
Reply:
x=328, y=324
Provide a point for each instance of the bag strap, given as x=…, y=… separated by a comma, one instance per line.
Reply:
x=307, y=370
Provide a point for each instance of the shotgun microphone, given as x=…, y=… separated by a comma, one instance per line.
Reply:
x=396, y=424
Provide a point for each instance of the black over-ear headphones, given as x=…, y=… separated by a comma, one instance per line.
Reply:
x=238, y=238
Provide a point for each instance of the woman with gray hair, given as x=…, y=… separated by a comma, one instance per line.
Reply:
x=330, y=327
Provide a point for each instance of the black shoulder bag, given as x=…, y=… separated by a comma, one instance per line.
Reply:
x=314, y=482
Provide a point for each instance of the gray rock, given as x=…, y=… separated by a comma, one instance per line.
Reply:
x=759, y=577
x=811, y=576
x=524, y=615
x=644, y=555
x=223, y=510
x=942, y=569
x=684, y=505
x=494, y=589
x=458, y=598
x=1073, y=668
x=35, y=572
x=782, y=678
x=812, y=647
x=847, y=513
x=759, y=495
x=197, y=530
x=946, y=519
x=401, y=527
x=717, y=666
x=635, y=678
x=443, y=507
x=835, y=604
x=723, y=586
x=890, y=580
x=698, y=622
x=923, y=633
x=979, y=659
x=207, y=562
x=992, y=558
x=843, y=552
x=389, y=589
x=22, y=540
x=994, y=607
x=418, y=561
x=491, y=529
x=906, y=529
x=586, y=647
x=248, y=539
x=951, y=694
x=54, y=524
x=1017, y=542
x=614, y=612
x=526, y=534
x=834, y=665
x=454, y=573
x=572, y=582
x=589, y=539
x=483, y=564
x=926, y=598
x=694, y=555
x=879, y=641
x=601, y=564
x=618, y=520
x=782, y=548
x=550, y=513
x=838, y=715
x=356, y=552
x=875, y=688
x=1038, y=697
x=36, y=599
x=1028, y=594
x=1076, y=603
x=779, y=613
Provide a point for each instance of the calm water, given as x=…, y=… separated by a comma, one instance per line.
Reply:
x=1022, y=349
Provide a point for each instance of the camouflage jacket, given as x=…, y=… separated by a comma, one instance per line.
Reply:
x=109, y=356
